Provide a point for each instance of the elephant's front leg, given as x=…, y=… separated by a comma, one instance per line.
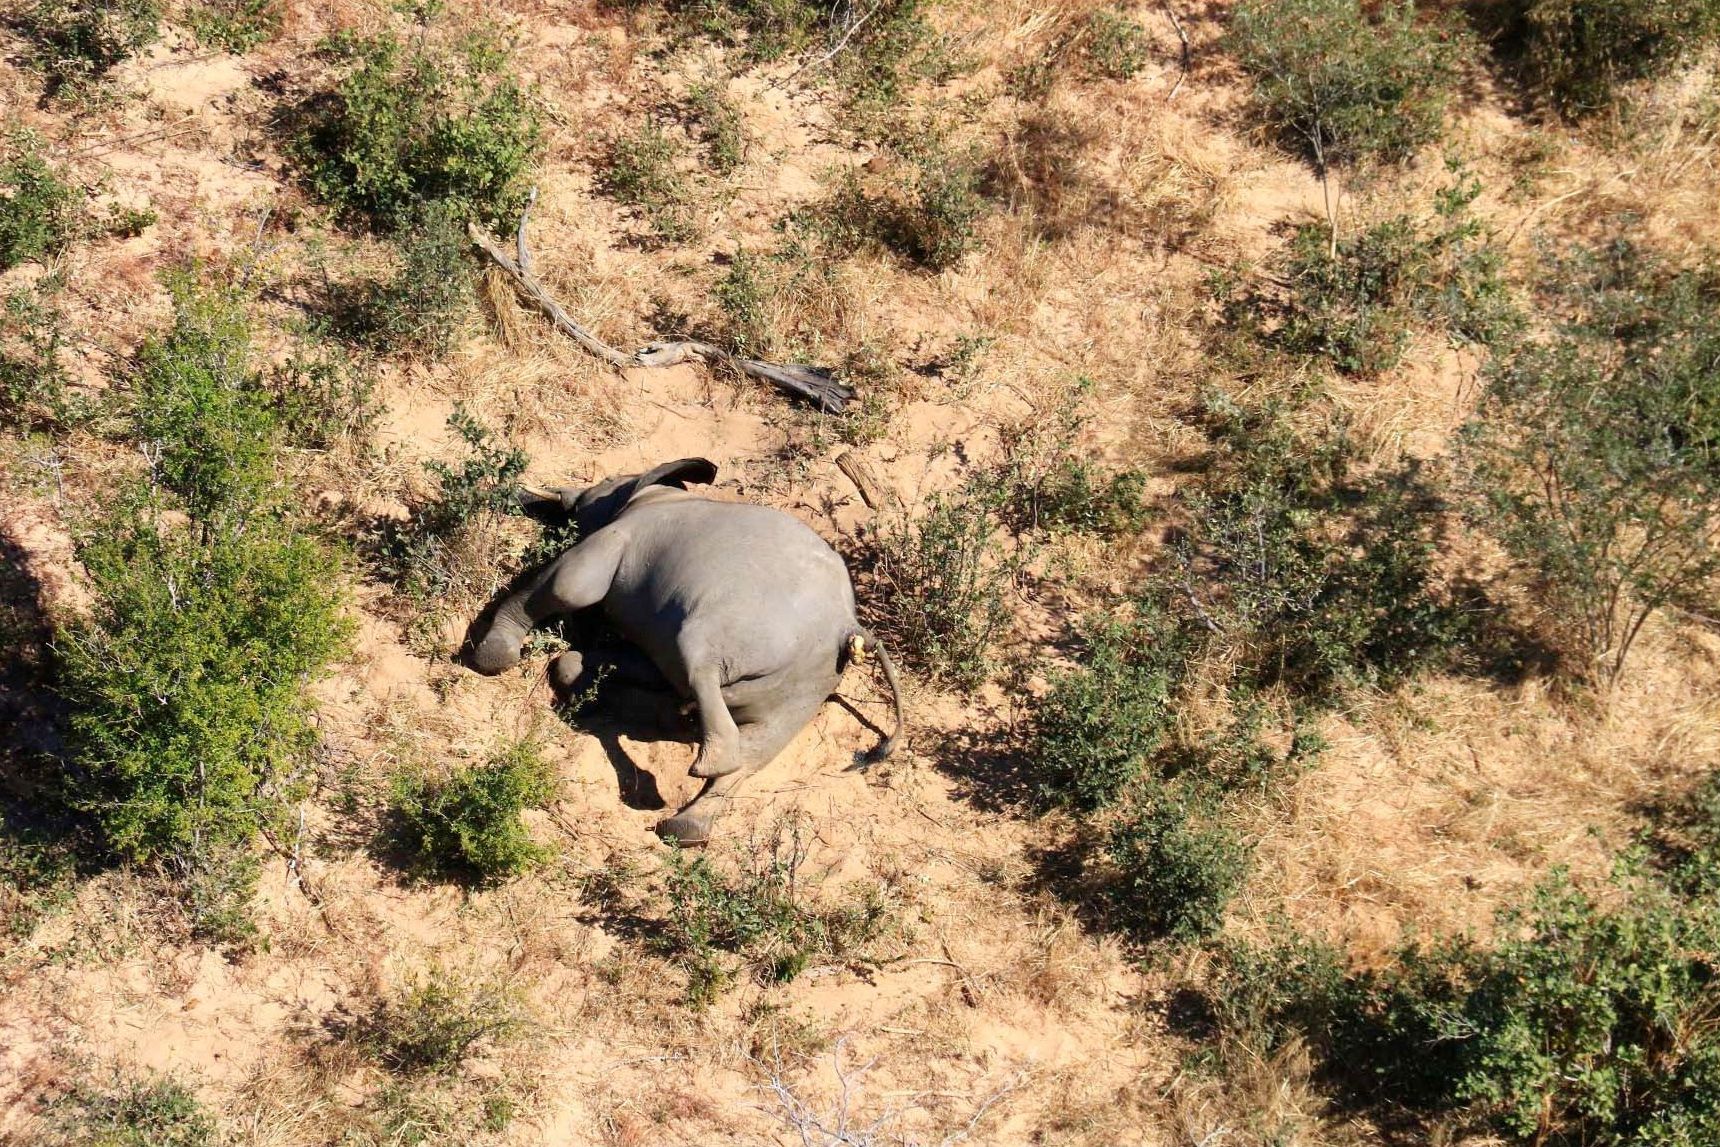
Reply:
x=719, y=740
x=760, y=742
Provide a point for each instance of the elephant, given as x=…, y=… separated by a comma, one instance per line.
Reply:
x=741, y=609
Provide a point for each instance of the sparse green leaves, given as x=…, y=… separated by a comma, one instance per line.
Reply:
x=468, y=824
x=1338, y=81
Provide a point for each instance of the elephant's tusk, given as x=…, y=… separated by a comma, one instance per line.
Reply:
x=856, y=648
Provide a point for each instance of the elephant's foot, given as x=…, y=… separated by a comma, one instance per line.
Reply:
x=687, y=829
x=709, y=764
x=565, y=671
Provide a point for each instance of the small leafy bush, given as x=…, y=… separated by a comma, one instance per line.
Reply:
x=187, y=682
x=927, y=213
x=720, y=126
x=1594, y=453
x=412, y=125
x=1355, y=309
x=78, y=41
x=1115, y=45
x=1339, y=81
x=1579, y=51
x=33, y=379
x=1103, y=721
x=1582, y=1023
x=129, y=1111
x=320, y=398
x=419, y=307
x=433, y=1025
x=761, y=915
x=468, y=825
x=1172, y=866
x=642, y=173
x=234, y=25
x=202, y=413
x=883, y=48
x=943, y=576
x=38, y=209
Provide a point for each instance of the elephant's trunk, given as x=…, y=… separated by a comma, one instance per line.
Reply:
x=497, y=648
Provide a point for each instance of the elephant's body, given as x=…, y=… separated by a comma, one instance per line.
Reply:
x=741, y=608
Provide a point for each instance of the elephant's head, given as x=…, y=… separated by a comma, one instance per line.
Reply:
x=596, y=506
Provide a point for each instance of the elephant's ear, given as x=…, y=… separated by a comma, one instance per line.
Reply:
x=678, y=473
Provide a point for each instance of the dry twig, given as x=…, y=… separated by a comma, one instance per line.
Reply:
x=812, y=383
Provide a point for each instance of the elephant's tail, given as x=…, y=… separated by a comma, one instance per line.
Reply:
x=862, y=644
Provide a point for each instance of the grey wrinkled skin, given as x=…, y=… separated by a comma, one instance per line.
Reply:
x=743, y=609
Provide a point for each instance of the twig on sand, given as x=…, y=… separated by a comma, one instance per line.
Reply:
x=812, y=383
x=1170, y=10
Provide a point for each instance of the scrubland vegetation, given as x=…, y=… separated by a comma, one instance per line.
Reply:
x=1296, y=427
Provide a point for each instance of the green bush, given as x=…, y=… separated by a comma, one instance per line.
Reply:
x=419, y=307
x=33, y=379
x=75, y=41
x=38, y=209
x=720, y=126
x=1310, y=574
x=1172, y=866
x=1103, y=721
x=187, y=681
x=1115, y=45
x=129, y=1111
x=432, y=1026
x=1581, y=1024
x=412, y=125
x=203, y=415
x=1339, y=81
x=1594, y=452
x=943, y=576
x=234, y=25
x=1579, y=51
x=642, y=173
x=320, y=398
x=1355, y=309
x=926, y=212
x=468, y=825
x=760, y=915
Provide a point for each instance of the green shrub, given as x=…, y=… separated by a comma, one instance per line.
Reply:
x=1339, y=81
x=432, y=1026
x=1115, y=45
x=203, y=415
x=320, y=398
x=468, y=825
x=234, y=25
x=1594, y=453
x=760, y=915
x=129, y=1111
x=1172, y=866
x=33, y=379
x=642, y=173
x=38, y=209
x=1579, y=51
x=1102, y=722
x=74, y=41
x=419, y=307
x=37, y=878
x=943, y=577
x=720, y=126
x=1355, y=309
x=882, y=48
x=1581, y=1024
x=412, y=125
x=186, y=683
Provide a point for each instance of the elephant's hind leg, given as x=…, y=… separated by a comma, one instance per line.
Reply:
x=720, y=752
x=760, y=742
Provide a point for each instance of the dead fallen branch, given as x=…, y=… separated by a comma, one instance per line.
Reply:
x=872, y=491
x=812, y=383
